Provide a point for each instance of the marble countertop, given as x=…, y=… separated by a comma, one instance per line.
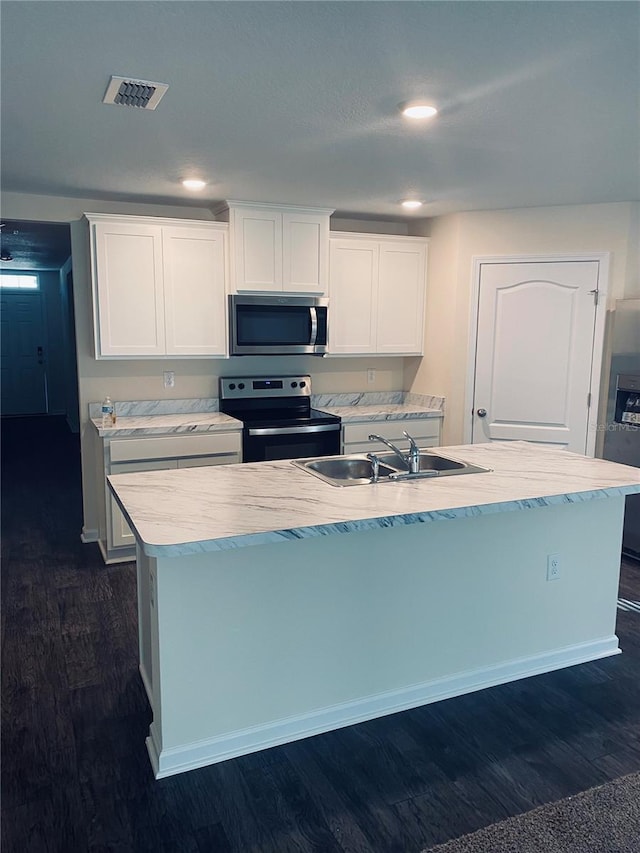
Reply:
x=189, y=422
x=157, y=417
x=167, y=424
x=381, y=412
x=194, y=510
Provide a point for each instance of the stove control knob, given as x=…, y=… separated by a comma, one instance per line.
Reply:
x=232, y=386
x=294, y=384
x=241, y=386
x=303, y=384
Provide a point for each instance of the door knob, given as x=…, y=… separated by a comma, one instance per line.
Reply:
x=482, y=413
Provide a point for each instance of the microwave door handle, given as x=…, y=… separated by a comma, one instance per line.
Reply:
x=314, y=326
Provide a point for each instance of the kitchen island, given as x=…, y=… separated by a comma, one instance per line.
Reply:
x=273, y=606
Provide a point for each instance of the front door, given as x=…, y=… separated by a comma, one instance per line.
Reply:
x=23, y=388
x=535, y=353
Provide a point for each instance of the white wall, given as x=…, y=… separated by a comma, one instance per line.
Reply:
x=458, y=238
x=70, y=368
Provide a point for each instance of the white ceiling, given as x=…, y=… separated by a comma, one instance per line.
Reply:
x=296, y=102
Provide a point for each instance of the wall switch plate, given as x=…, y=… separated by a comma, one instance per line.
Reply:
x=169, y=378
x=553, y=567
x=371, y=375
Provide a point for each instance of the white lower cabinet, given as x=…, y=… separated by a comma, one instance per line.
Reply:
x=162, y=453
x=355, y=436
x=377, y=287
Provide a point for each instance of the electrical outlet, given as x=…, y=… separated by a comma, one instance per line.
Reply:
x=371, y=375
x=169, y=378
x=553, y=567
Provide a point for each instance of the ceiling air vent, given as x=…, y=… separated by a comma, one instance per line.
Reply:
x=134, y=93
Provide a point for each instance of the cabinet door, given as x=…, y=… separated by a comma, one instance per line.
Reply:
x=305, y=252
x=401, y=297
x=353, y=274
x=194, y=290
x=257, y=249
x=128, y=289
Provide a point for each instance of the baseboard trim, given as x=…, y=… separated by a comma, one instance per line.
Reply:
x=89, y=534
x=167, y=762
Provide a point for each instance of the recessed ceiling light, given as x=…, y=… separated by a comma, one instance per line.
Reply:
x=412, y=204
x=193, y=184
x=418, y=109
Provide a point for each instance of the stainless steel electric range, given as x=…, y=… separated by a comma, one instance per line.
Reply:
x=279, y=422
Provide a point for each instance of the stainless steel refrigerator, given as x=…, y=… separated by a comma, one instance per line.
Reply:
x=622, y=436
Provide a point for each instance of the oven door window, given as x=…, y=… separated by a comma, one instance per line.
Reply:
x=273, y=326
x=297, y=446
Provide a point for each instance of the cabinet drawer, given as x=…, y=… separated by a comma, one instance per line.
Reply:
x=143, y=465
x=418, y=428
x=203, y=461
x=128, y=450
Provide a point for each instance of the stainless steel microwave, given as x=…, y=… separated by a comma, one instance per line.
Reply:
x=277, y=325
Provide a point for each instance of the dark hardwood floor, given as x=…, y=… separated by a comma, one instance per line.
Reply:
x=75, y=772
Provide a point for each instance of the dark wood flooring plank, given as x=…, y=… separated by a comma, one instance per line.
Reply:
x=52, y=822
x=337, y=812
x=291, y=815
x=212, y=839
x=361, y=789
x=240, y=815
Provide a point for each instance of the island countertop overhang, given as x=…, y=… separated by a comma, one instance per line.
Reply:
x=197, y=510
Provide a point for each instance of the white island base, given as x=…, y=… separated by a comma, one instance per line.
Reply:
x=255, y=646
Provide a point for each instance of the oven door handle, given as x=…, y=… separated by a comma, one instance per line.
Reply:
x=293, y=430
x=314, y=326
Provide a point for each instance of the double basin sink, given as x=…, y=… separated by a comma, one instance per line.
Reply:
x=356, y=469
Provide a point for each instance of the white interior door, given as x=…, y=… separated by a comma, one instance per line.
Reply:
x=534, y=352
x=23, y=380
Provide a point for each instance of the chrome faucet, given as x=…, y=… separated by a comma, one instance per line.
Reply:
x=411, y=459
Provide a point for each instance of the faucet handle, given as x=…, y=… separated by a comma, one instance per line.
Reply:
x=412, y=443
x=414, y=454
x=375, y=464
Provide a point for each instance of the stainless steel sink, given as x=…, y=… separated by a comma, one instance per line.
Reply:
x=428, y=462
x=343, y=470
x=357, y=469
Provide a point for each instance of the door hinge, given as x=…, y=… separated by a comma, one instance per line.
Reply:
x=589, y=400
x=595, y=295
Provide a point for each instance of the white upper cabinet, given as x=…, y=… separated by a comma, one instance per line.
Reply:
x=194, y=290
x=275, y=248
x=128, y=288
x=158, y=287
x=353, y=295
x=402, y=284
x=377, y=294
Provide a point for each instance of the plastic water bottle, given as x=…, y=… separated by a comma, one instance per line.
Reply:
x=107, y=413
